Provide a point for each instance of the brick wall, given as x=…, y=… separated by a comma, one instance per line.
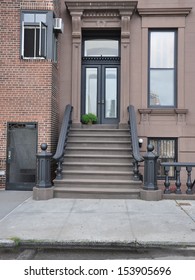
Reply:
x=28, y=88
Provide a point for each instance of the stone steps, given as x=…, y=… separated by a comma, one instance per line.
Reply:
x=98, y=162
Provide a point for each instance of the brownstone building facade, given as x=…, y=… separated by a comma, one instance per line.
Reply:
x=98, y=56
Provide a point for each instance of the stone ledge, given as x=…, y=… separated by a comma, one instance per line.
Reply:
x=151, y=195
x=173, y=196
x=170, y=11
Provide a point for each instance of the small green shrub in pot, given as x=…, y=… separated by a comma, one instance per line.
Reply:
x=89, y=118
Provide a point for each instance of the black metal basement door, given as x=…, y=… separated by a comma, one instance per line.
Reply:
x=21, y=156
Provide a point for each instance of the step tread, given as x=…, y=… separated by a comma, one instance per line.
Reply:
x=97, y=156
x=100, y=141
x=98, y=135
x=101, y=129
x=95, y=172
x=100, y=181
x=99, y=148
x=97, y=163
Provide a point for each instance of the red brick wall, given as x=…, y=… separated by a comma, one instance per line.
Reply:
x=28, y=88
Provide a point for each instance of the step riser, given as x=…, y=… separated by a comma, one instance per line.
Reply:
x=99, y=132
x=95, y=159
x=94, y=185
x=98, y=152
x=98, y=176
x=98, y=138
x=89, y=195
x=99, y=126
x=97, y=168
x=98, y=145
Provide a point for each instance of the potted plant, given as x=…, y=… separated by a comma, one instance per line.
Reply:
x=89, y=118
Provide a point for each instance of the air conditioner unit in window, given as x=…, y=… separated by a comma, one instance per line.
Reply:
x=58, y=25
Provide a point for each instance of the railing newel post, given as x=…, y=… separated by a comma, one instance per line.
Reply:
x=150, y=169
x=44, y=168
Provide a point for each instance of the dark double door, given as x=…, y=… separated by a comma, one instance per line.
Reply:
x=100, y=89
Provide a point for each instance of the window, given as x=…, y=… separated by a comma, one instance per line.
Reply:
x=166, y=149
x=101, y=47
x=38, y=39
x=34, y=35
x=162, y=68
x=101, y=44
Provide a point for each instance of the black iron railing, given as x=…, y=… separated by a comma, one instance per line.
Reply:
x=62, y=141
x=178, y=167
x=135, y=142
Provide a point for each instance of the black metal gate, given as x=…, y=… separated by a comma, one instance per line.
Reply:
x=21, y=156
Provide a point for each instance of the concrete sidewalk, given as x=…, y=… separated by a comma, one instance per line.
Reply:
x=95, y=222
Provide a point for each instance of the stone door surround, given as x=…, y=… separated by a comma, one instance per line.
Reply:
x=100, y=15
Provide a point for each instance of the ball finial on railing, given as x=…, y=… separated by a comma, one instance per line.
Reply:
x=43, y=146
x=150, y=147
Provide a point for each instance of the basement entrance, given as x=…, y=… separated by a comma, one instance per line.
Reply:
x=21, y=156
x=100, y=77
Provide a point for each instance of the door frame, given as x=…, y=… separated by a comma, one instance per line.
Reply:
x=94, y=17
x=101, y=63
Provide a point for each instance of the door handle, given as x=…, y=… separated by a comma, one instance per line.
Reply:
x=100, y=102
x=10, y=155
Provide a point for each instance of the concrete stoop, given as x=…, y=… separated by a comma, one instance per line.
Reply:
x=98, y=163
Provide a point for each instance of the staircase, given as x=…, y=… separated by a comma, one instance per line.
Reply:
x=97, y=164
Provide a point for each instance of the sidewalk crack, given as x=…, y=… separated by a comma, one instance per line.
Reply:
x=180, y=206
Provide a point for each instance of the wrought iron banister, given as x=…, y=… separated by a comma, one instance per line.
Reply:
x=178, y=166
x=66, y=122
x=135, y=143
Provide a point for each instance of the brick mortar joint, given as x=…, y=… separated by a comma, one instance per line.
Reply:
x=37, y=5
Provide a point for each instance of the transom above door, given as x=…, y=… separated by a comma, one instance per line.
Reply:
x=100, y=79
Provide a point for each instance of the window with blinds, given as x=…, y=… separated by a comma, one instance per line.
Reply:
x=166, y=149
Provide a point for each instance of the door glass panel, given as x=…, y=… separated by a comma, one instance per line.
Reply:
x=101, y=47
x=91, y=91
x=111, y=93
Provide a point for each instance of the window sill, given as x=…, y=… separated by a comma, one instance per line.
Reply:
x=179, y=113
x=163, y=111
x=35, y=59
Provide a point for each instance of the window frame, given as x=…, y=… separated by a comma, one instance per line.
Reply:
x=175, y=159
x=175, y=70
x=45, y=50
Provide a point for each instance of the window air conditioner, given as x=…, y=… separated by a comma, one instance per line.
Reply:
x=58, y=25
